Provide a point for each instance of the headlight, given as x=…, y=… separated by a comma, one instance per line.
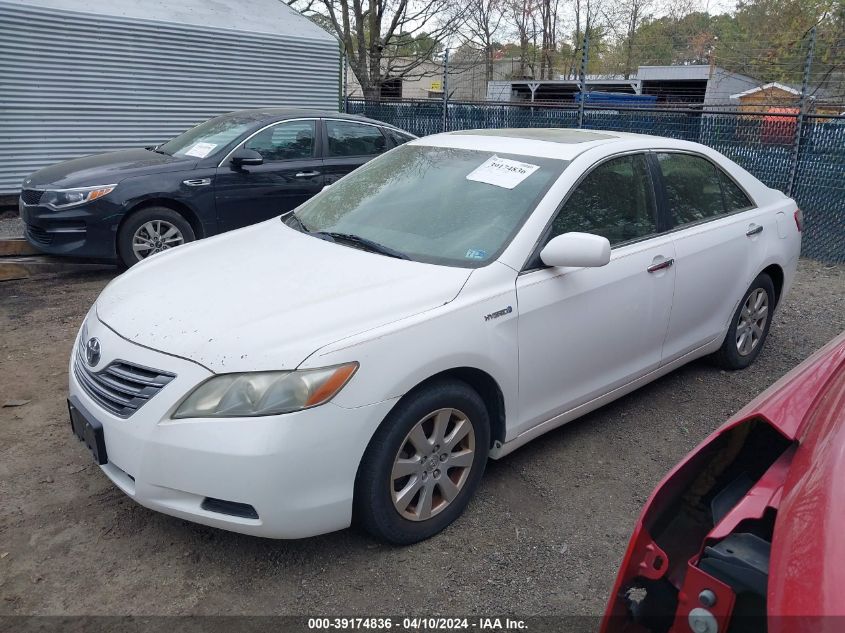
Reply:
x=264, y=392
x=65, y=198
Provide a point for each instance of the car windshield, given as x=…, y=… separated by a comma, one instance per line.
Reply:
x=208, y=138
x=457, y=207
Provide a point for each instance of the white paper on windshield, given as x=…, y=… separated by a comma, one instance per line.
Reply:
x=201, y=150
x=502, y=172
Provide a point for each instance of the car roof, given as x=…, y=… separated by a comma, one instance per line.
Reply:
x=266, y=115
x=561, y=143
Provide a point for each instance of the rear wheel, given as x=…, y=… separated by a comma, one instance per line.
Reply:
x=749, y=327
x=151, y=231
x=423, y=464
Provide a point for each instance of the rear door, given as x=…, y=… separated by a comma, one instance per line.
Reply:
x=348, y=145
x=719, y=243
x=291, y=173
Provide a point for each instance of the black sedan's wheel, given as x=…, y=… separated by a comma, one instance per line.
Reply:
x=423, y=464
x=749, y=327
x=151, y=231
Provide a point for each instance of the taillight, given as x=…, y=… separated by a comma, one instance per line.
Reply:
x=799, y=219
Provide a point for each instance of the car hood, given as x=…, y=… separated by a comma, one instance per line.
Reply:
x=266, y=297
x=106, y=169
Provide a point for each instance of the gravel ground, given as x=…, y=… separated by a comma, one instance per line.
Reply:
x=10, y=225
x=544, y=535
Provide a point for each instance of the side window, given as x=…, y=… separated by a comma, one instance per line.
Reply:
x=615, y=200
x=692, y=185
x=735, y=198
x=398, y=138
x=347, y=138
x=286, y=141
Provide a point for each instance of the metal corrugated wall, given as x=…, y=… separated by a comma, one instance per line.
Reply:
x=73, y=84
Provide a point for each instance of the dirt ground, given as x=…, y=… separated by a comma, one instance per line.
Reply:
x=544, y=535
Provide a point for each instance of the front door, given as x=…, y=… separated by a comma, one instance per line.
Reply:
x=586, y=331
x=348, y=145
x=290, y=175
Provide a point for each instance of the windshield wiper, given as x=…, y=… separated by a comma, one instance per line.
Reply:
x=368, y=244
x=157, y=150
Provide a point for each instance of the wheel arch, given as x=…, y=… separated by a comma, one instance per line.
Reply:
x=776, y=274
x=174, y=205
x=486, y=387
x=484, y=384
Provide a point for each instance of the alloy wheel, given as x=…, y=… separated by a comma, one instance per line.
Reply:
x=432, y=464
x=155, y=236
x=752, y=322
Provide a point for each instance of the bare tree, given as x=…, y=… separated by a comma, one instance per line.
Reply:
x=548, y=14
x=631, y=13
x=585, y=14
x=385, y=38
x=482, y=20
x=523, y=14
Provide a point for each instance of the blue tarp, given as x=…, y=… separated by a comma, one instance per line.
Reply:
x=616, y=98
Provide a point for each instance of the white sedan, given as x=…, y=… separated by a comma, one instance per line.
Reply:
x=360, y=359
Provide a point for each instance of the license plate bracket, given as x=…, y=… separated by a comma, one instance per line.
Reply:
x=90, y=432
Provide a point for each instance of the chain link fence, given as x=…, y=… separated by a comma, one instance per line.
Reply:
x=811, y=170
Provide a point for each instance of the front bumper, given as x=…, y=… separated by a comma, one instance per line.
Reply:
x=296, y=470
x=88, y=230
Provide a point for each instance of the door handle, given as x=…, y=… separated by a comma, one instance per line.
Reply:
x=754, y=229
x=666, y=263
x=307, y=174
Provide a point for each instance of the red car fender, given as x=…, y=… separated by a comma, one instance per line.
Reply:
x=805, y=485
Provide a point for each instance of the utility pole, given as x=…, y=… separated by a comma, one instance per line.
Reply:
x=802, y=110
x=446, y=90
x=582, y=77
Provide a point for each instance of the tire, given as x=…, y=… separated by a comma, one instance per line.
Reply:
x=738, y=352
x=150, y=225
x=450, y=406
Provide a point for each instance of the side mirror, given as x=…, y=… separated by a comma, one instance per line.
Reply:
x=243, y=157
x=576, y=250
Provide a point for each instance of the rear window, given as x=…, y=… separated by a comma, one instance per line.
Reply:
x=735, y=198
x=398, y=137
x=697, y=190
x=692, y=188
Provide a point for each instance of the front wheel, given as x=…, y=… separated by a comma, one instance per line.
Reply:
x=423, y=464
x=150, y=231
x=749, y=326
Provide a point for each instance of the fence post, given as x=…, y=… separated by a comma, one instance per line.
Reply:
x=446, y=90
x=345, y=81
x=802, y=110
x=582, y=77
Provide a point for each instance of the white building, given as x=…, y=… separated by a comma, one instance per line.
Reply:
x=80, y=77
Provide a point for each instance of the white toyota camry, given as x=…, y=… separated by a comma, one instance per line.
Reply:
x=361, y=358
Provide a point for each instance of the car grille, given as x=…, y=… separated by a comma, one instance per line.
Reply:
x=39, y=235
x=31, y=196
x=120, y=388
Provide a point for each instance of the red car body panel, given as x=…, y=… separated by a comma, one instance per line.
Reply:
x=804, y=486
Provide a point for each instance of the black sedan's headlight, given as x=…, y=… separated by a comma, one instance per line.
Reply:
x=65, y=198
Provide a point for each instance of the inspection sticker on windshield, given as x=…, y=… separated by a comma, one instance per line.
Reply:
x=502, y=172
x=201, y=150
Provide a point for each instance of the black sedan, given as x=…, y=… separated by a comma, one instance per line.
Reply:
x=228, y=172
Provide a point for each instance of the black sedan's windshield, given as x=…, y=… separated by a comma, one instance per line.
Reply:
x=210, y=137
x=441, y=205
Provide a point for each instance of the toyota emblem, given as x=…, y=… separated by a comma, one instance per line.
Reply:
x=92, y=351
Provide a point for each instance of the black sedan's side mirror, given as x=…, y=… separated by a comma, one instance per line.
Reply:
x=243, y=157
